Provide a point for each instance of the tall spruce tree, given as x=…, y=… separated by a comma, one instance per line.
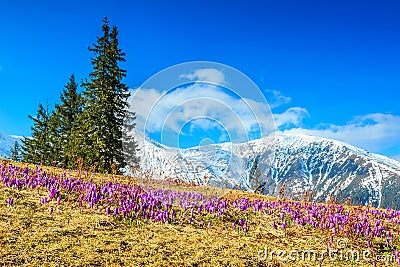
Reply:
x=99, y=133
x=15, y=152
x=61, y=124
x=36, y=149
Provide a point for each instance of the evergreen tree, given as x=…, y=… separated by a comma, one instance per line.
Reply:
x=255, y=179
x=36, y=149
x=99, y=133
x=62, y=122
x=54, y=139
x=16, y=152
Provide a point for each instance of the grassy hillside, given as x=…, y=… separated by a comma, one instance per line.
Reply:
x=51, y=217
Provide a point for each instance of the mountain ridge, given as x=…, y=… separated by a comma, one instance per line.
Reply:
x=301, y=164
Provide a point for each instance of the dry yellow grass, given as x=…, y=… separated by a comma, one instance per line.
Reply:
x=30, y=236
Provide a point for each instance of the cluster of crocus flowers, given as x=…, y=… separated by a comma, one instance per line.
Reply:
x=133, y=202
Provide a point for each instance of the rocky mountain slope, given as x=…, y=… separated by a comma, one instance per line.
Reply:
x=296, y=166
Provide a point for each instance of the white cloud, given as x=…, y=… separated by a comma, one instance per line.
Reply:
x=292, y=117
x=203, y=123
x=276, y=98
x=160, y=111
x=373, y=132
x=223, y=138
x=206, y=75
x=208, y=106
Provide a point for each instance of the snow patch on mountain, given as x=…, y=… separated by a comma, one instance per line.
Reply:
x=296, y=165
x=6, y=143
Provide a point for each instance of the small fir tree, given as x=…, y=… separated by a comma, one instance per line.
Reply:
x=62, y=123
x=36, y=149
x=255, y=178
x=16, y=152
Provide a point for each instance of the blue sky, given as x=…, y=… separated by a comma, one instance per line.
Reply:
x=334, y=65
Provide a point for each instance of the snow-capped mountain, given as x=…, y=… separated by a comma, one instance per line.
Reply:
x=6, y=142
x=293, y=165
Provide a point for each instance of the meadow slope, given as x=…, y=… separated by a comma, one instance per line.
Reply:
x=53, y=217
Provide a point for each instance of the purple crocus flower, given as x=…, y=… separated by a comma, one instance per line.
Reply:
x=108, y=211
x=53, y=193
x=44, y=200
x=10, y=201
